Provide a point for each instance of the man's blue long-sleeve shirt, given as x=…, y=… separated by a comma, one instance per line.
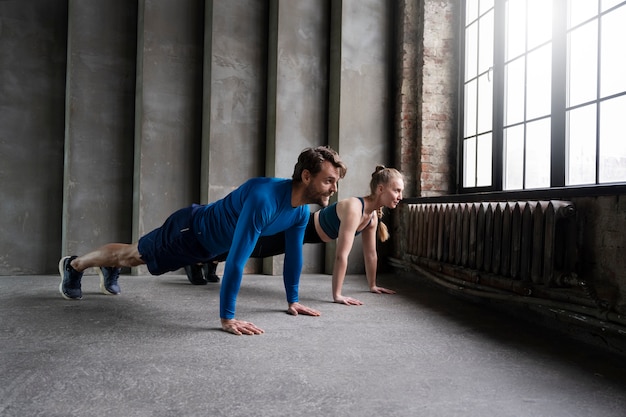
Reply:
x=259, y=207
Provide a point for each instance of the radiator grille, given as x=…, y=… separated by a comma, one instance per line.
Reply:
x=531, y=241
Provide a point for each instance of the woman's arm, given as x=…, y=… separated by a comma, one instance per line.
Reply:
x=370, y=257
x=349, y=212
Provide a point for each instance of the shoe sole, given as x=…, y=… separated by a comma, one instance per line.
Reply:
x=62, y=273
x=102, y=287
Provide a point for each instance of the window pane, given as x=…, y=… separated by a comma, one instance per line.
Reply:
x=485, y=104
x=471, y=11
x=607, y=4
x=514, y=92
x=469, y=162
x=515, y=28
x=582, y=64
x=540, y=19
x=538, y=154
x=471, y=51
x=483, y=168
x=613, y=61
x=513, y=157
x=612, y=140
x=470, y=108
x=581, y=10
x=539, y=82
x=581, y=146
x=485, y=5
x=485, y=49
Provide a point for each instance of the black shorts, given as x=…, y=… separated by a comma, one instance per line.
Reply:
x=310, y=234
x=173, y=245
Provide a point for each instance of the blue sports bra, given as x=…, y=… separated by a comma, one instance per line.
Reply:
x=329, y=221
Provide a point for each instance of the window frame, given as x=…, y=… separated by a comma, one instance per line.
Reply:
x=558, y=109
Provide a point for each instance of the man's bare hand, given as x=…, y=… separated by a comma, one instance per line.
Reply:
x=297, y=308
x=381, y=290
x=349, y=301
x=240, y=327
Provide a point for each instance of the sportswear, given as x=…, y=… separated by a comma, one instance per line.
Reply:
x=109, y=277
x=259, y=207
x=329, y=220
x=70, y=286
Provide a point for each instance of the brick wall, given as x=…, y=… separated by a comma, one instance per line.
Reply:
x=426, y=97
x=426, y=73
x=438, y=99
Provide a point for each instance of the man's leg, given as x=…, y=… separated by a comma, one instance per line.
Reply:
x=108, y=259
x=113, y=255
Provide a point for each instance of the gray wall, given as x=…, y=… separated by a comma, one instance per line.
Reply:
x=33, y=39
x=168, y=110
x=123, y=111
x=97, y=192
x=360, y=99
x=297, y=104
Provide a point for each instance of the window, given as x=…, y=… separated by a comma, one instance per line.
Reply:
x=544, y=91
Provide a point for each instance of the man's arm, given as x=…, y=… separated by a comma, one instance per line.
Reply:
x=244, y=239
x=292, y=269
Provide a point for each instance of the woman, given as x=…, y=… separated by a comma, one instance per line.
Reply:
x=341, y=221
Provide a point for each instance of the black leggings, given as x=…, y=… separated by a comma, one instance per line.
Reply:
x=275, y=244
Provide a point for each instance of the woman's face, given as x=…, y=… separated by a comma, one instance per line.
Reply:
x=391, y=193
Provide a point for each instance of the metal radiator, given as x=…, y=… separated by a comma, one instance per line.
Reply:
x=520, y=241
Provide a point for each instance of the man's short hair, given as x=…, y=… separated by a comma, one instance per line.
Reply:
x=311, y=159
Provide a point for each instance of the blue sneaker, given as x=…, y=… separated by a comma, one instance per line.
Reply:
x=70, y=280
x=108, y=280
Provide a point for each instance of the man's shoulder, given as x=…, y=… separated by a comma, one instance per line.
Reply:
x=267, y=182
x=266, y=190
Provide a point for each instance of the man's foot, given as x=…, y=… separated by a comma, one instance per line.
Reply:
x=209, y=269
x=194, y=274
x=70, y=280
x=108, y=280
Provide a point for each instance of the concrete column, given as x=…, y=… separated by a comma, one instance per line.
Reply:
x=99, y=124
x=297, y=96
x=168, y=110
x=235, y=69
x=32, y=92
x=360, y=102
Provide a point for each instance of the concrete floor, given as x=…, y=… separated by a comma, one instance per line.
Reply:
x=157, y=350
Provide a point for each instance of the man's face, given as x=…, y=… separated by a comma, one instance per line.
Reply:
x=323, y=185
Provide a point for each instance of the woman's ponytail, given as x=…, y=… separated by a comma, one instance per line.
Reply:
x=383, y=232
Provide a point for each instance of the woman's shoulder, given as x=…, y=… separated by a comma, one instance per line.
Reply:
x=350, y=207
x=351, y=202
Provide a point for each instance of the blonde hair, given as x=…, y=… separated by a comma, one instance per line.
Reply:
x=382, y=175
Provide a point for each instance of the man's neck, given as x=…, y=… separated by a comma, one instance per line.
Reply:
x=297, y=194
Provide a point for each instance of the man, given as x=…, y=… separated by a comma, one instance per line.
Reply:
x=259, y=207
x=341, y=221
